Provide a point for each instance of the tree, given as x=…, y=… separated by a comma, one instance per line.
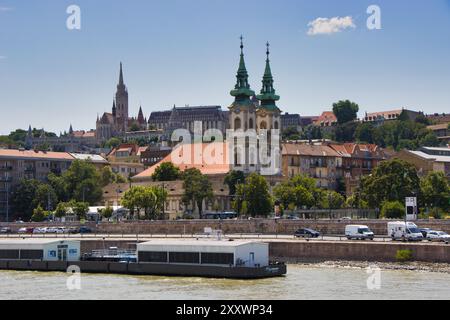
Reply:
x=435, y=190
x=392, y=180
x=255, y=192
x=22, y=198
x=113, y=143
x=45, y=197
x=332, y=200
x=167, y=171
x=393, y=210
x=80, y=209
x=197, y=188
x=39, y=215
x=291, y=133
x=82, y=182
x=345, y=111
x=61, y=210
x=365, y=133
x=106, y=176
x=232, y=179
x=298, y=192
x=107, y=212
x=345, y=132
x=149, y=199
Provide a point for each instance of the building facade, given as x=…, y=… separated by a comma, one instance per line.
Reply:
x=428, y=160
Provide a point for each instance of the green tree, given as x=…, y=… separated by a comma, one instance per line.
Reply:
x=22, y=198
x=255, y=192
x=150, y=200
x=197, y=188
x=332, y=200
x=392, y=180
x=393, y=210
x=435, y=190
x=232, y=179
x=113, y=143
x=345, y=111
x=82, y=182
x=80, y=209
x=61, y=210
x=345, y=132
x=167, y=171
x=291, y=133
x=45, y=197
x=107, y=212
x=365, y=133
x=39, y=214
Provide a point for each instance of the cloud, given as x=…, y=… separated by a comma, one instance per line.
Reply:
x=2, y=57
x=330, y=25
x=5, y=9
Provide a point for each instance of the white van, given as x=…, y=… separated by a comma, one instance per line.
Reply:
x=406, y=231
x=358, y=232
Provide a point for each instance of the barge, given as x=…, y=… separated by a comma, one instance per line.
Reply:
x=185, y=258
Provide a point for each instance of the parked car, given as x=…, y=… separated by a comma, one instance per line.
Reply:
x=40, y=230
x=25, y=230
x=425, y=231
x=438, y=236
x=292, y=217
x=5, y=230
x=406, y=231
x=84, y=230
x=307, y=233
x=358, y=232
x=72, y=230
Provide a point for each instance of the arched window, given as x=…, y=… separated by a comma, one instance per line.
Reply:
x=276, y=125
x=263, y=125
x=250, y=124
x=237, y=123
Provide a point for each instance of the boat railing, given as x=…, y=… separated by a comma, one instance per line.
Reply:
x=112, y=253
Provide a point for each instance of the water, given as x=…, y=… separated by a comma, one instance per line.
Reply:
x=302, y=282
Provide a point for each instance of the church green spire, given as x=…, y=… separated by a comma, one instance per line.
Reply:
x=268, y=95
x=242, y=91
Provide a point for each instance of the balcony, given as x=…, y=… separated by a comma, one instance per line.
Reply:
x=6, y=168
x=5, y=179
x=29, y=169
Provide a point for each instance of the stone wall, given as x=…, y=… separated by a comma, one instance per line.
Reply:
x=357, y=251
x=260, y=226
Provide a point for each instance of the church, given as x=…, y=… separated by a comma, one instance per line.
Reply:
x=117, y=122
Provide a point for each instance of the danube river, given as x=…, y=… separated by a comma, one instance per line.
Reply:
x=302, y=282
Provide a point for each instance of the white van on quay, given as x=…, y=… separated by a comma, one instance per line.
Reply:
x=406, y=231
x=358, y=232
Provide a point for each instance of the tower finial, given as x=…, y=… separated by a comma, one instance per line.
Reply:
x=242, y=44
x=268, y=49
x=121, y=74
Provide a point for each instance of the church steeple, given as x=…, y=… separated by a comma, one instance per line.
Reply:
x=268, y=95
x=114, y=109
x=121, y=75
x=242, y=91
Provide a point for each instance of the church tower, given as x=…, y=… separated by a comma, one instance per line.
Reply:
x=121, y=104
x=268, y=117
x=243, y=121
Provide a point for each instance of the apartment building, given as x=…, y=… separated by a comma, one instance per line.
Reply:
x=320, y=162
x=427, y=160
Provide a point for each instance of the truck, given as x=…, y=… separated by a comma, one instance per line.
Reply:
x=405, y=231
x=358, y=232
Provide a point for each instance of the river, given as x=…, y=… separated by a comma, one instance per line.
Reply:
x=302, y=282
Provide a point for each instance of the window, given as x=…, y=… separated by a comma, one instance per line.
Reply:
x=153, y=256
x=9, y=254
x=31, y=254
x=237, y=124
x=218, y=258
x=184, y=257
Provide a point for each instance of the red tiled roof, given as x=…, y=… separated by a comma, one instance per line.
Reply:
x=202, y=156
x=31, y=154
x=308, y=150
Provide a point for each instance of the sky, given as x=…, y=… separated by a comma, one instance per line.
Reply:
x=186, y=52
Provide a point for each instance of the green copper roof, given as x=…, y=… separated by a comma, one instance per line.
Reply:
x=242, y=91
x=268, y=95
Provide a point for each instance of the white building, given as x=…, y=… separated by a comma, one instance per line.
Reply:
x=40, y=249
x=238, y=253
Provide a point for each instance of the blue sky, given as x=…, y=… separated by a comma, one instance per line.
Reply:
x=186, y=52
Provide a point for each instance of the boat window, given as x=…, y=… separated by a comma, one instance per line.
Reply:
x=31, y=254
x=146, y=256
x=218, y=258
x=9, y=254
x=184, y=257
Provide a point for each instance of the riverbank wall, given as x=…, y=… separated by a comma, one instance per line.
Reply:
x=255, y=226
